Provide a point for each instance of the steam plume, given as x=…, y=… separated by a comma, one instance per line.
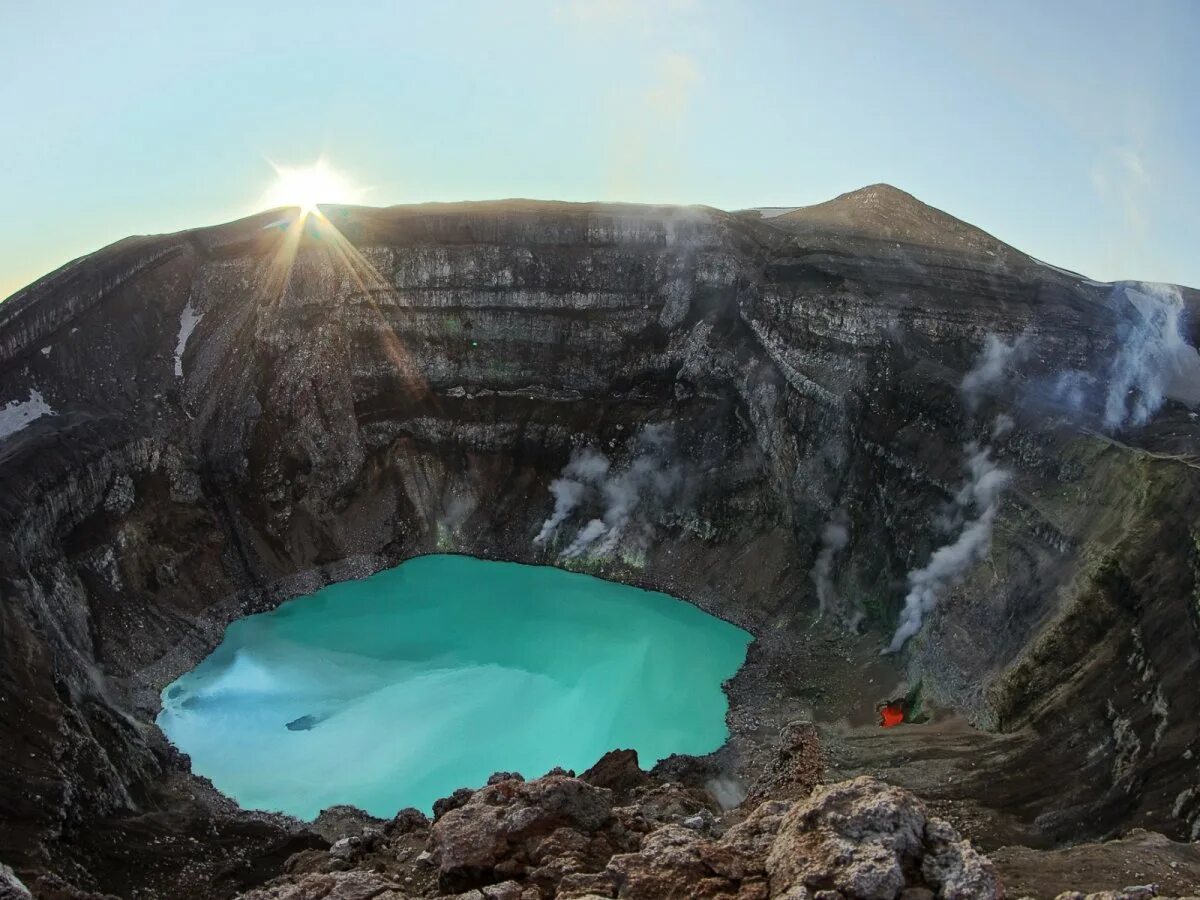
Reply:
x=726, y=790
x=991, y=367
x=834, y=537
x=456, y=512
x=586, y=467
x=567, y=494
x=587, y=535
x=1154, y=361
x=623, y=495
x=618, y=495
x=1072, y=388
x=1002, y=425
x=949, y=564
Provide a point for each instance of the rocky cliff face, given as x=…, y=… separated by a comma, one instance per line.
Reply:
x=198, y=426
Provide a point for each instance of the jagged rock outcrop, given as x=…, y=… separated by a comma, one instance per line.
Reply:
x=354, y=885
x=560, y=837
x=239, y=414
x=11, y=887
x=870, y=841
x=539, y=831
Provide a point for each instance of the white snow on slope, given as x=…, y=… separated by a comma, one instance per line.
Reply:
x=770, y=212
x=188, y=321
x=1069, y=273
x=16, y=414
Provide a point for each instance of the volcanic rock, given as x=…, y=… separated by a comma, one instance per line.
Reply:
x=619, y=772
x=544, y=828
x=11, y=887
x=333, y=886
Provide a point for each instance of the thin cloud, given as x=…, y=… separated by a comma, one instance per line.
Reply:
x=645, y=17
x=646, y=133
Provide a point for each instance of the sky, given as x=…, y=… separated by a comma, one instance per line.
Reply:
x=1067, y=129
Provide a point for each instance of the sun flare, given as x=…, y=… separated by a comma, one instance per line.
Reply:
x=308, y=186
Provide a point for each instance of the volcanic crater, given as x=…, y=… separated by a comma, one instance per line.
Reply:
x=197, y=427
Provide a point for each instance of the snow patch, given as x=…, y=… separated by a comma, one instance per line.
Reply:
x=1075, y=275
x=770, y=212
x=18, y=413
x=188, y=320
x=46, y=351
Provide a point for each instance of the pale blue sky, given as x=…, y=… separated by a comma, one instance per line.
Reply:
x=1066, y=128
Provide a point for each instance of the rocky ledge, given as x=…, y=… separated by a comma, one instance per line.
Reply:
x=618, y=832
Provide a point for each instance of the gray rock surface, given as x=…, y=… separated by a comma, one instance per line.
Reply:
x=540, y=830
x=558, y=836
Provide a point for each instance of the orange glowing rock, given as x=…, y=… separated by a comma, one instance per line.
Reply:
x=891, y=715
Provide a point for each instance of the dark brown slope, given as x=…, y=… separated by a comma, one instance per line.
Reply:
x=881, y=212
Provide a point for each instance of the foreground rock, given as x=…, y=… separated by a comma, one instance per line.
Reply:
x=871, y=841
x=636, y=838
x=334, y=886
x=562, y=837
x=859, y=839
x=559, y=836
x=538, y=831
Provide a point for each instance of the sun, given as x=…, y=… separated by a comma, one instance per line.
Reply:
x=307, y=186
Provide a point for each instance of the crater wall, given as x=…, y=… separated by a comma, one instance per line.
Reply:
x=383, y=383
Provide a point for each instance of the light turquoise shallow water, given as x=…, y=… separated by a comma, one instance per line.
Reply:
x=430, y=676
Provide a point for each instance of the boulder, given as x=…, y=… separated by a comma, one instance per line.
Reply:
x=676, y=861
x=11, y=887
x=871, y=841
x=959, y=871
x=506, y=829
x=617, y=770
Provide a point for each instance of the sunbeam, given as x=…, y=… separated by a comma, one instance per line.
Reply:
x=311, y=232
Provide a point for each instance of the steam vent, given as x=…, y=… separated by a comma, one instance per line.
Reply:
x=934, y=505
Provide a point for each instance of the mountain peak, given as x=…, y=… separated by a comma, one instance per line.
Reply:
x=886, y=213
x=879, y=192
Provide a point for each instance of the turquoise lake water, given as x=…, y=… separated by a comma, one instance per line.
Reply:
x=395, y=690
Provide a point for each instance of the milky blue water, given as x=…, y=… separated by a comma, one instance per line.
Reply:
x=395, y=690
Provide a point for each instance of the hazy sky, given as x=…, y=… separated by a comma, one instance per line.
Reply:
x=1069, y=129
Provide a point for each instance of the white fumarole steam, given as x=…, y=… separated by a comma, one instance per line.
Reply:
x=586, y=467
x=991, y=367
x=726, y=790
x=585, y=537
x=619, y=494
x=455, y=512
x=834, y=537
x=949, y=564
x=1154, y=362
